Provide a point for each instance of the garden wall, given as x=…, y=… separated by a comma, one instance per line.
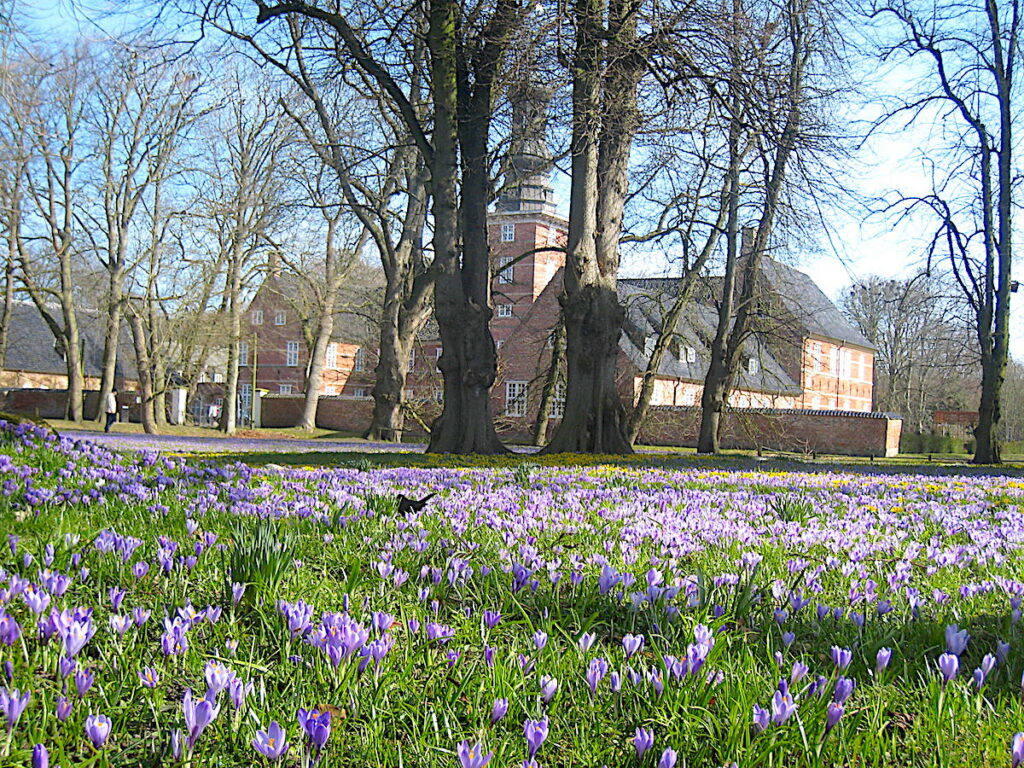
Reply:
x=781, y=429
x=849, y=433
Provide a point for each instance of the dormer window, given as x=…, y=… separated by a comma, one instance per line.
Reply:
x=280, y=317
x=508, y=233
x=752, y=366
x=649, y=346
x=691, y=355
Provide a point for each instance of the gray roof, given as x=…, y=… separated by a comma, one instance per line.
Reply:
x=811, y=308
x=31, y=346
x=696, y=329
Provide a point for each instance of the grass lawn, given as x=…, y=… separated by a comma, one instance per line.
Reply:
x=655, y=612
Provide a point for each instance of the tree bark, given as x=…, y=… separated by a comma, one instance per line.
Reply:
x=145, y=374
x=554, y=373
x=604, y=122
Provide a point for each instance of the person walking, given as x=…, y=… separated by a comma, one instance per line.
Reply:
x=110, y=409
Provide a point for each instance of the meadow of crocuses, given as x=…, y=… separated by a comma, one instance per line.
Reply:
x=163, y=611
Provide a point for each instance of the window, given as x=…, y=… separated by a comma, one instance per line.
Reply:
x=497, y=345
x=280, y=317
x=508, y=233
x=412, y=358
x=515, y=398
x=330, y=391
x=407, y=394
x=284, y=389
x=506, y=272
x=359, y=364
x=552, y=235
x=691, y=355
x=218, y=378
x=291, y=357
x=437, y=357
x=331, y=358
x=845, y=363
x=257, y=317
x=752, y=366
x=649, y=346
x=556, y=409
x=438, y=395
x=504, y=310
x=359, y=392
x=244, y=402
x=243, y=353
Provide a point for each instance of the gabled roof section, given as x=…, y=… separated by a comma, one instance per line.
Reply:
x=811, y=308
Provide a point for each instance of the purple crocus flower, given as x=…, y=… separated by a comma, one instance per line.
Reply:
x=540, y=639
x=84, y=679
x=1017, y=750
x=841, y=657
x=97, y=728
x=316, y=725
x=956, y=639
x=63, y=708
x=632, y=644
x=668, y=759
x=882, y=659
x=40, y=757
x=843, y=690
x=197, y=716
x=548, y=687
x=472, y=755
x=949, y=665
x=149, y=677
x=596, y=670
x=586, y=640
x=799, y=672
x=12, y=704
x=643, y=740
x=783, y=707
x=499, y=709
x=761, y=718
x=271, y=743
x=535, y=731
x=237, y=590
x=491, y=619
x=832, y=715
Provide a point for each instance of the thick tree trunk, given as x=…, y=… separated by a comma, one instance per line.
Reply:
x=468, y=359
x=111, y=335
x=314, y=376
x=228, y=417
x=392, y=367
x=5, y=318
x=604, y=122
x=145, y=381
x=547, y=397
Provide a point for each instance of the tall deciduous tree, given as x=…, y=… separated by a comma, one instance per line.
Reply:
x=972, y=50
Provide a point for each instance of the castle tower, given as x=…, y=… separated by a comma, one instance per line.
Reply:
x=525, y=219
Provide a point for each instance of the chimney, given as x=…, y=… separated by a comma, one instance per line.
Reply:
x=273, y=264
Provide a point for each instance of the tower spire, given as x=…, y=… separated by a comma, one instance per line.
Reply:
x=528, y=178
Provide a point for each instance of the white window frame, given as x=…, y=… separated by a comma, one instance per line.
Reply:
x=280, y=317
x=330, y=390
x=331, y=356
x=359, y=361
x=291, y=354
x=284, y=389
x=508, y=233
x=752, y=365
x=504, y=310
x=515, y=397
x=506, y=270
x=257, y=317
x=359, y=392
x=556, y=408
x=845, y=364
x=691, y=355
x=412, y=358
x=243, y=353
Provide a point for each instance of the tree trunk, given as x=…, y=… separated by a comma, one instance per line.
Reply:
x=228, y=417
x=604, y=122
x=468, y=359
x=547, y=397
x=314, y=375
x=111, y=335
x=5, y=318
x=143, y=366
x=392, y=367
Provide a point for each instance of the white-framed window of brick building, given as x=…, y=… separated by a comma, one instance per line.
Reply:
x=284, y=389
x=330, y=391
x=691, y=355
x=280, y=317
x=818, y=357
x=752, y=365
x=845, y=363
x=439, y=395
x=412, y=358
x=243, y=353
x=257, y=317
x=508, y=233
x=504, y=310
x=506, y=271
x=515, y=398
x=291, y=354
x=331, y=358
x=359, y=392
x=359, y=363
x=556, y=408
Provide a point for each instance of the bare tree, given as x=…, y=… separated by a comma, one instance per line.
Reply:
x=972, y=50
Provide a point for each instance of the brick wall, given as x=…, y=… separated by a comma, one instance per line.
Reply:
x=344, y=414
x=839, y=432
x=52, y=403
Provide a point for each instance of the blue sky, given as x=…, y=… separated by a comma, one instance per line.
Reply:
x=858, y=246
